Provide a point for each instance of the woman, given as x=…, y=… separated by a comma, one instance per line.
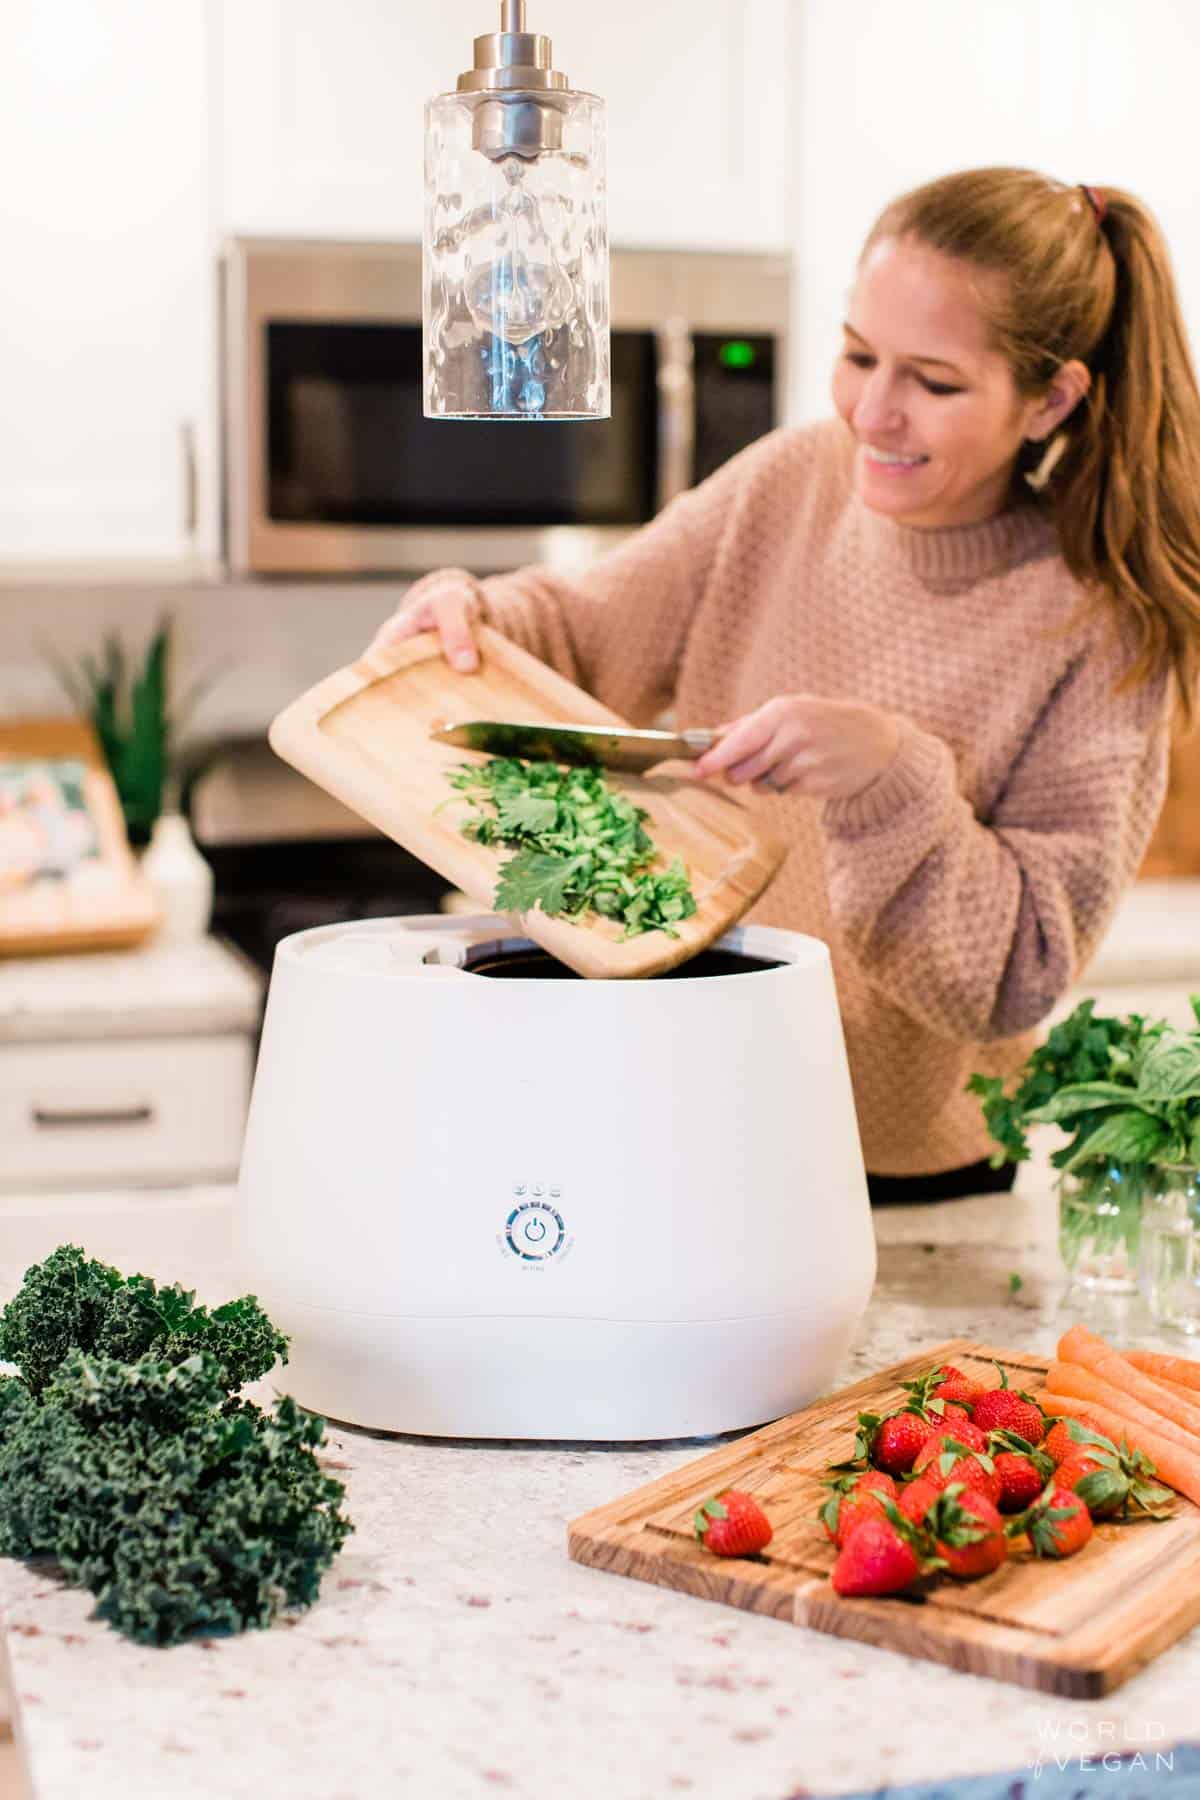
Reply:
x=944, y=630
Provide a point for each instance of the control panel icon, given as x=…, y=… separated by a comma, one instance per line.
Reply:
x=535, y=1230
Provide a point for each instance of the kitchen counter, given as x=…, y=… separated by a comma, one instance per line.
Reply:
x=456, y=1652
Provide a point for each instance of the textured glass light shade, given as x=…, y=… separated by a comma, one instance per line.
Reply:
x=515, y=258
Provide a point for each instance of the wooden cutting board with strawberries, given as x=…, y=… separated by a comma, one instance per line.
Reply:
x=1078, y=1627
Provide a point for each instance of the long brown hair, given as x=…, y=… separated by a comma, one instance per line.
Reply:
x=1088, y=277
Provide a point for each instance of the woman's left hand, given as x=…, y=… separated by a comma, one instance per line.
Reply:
x=827, y=749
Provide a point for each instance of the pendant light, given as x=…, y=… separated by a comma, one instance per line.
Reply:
x=516, y=239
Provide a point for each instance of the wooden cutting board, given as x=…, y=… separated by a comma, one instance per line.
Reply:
x=363, y=735
x=1078, y=1627
x=105, y=903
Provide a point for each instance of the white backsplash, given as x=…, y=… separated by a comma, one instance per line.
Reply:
x=271, y=640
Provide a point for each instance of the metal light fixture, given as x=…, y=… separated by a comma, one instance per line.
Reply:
x=516, y=239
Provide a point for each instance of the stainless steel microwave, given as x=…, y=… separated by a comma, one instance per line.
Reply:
x=330, y=467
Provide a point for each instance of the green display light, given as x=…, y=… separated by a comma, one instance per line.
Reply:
x=736, y=354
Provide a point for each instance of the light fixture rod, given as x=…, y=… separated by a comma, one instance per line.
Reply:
x=512, y=15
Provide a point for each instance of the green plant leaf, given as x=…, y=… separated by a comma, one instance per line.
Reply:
x=1171, y=1070
x=1127, y=1137
x=1083, y=1096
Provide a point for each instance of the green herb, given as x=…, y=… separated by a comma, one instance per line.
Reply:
x=1015, y=1283
x=184, y=1509
x=579, y=845
x=1124, y=1089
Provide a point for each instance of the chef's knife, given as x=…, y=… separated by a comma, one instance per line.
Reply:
x=613, y=746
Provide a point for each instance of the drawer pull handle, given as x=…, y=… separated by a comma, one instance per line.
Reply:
x=54, y=1118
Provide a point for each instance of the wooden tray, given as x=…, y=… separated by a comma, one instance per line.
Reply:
x=114, y=906
x=1078, y=1627
x=363, y=735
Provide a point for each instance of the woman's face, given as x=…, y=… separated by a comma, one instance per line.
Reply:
x=935, y=413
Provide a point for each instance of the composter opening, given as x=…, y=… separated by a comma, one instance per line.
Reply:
x=527, y=962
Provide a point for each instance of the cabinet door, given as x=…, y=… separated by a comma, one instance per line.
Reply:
x=106, y=345
x=322, y=112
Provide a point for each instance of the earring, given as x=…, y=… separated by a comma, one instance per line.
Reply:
x=1051, y=457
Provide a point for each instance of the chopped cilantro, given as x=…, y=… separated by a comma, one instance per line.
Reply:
x=579, y=845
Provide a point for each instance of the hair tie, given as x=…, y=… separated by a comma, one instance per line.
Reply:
x=1096, y=200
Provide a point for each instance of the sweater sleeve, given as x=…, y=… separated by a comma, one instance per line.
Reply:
x=619, y=630
x=976, y=927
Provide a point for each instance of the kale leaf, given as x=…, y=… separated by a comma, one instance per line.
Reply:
x=580, y=845
x=71, y=1302
x=126, y=1455
x=181, y=1519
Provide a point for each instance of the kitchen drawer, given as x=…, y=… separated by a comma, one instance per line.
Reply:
x=141, y=1112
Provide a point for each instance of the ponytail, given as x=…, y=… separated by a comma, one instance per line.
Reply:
x=1126, y=499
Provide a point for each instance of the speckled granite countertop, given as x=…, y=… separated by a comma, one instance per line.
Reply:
x=456, y=1652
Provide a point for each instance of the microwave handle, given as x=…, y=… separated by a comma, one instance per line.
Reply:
x=676, y=409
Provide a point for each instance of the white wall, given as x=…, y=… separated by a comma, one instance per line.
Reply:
x=886, y=96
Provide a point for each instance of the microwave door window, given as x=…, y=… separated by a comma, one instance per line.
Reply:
x=348, y=442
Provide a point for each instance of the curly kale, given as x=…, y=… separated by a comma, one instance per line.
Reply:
x=184, y=1509
x=71, y=1302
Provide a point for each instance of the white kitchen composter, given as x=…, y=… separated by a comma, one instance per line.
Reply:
x=484, y=1203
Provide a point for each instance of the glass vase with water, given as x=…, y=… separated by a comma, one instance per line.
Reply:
x=1169, y=1259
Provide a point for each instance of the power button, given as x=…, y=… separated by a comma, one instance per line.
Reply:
x=534, y=1231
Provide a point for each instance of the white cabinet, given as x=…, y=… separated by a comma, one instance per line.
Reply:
x=106, y=342
x=125, y=1068
x=322, y=112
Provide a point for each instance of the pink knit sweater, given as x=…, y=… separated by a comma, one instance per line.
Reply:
x=964, y=890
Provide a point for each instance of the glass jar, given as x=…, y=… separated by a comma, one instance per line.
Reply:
x=1099, y=1224
x=1169, y=1264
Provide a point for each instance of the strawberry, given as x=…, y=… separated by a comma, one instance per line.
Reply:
x=732, y=1524
x=1023, y=1469
x=1057, y=1524
x=946, y=1384
x=947, y=1412
x=1109, y=1484
x=916, y=1497
x=1010, y=1409
x=968, y=1532
x=959, y=1389
x=965, y=1431
x=853, y=1499
x=893, y=1442
x=1021, y=1480
x=945, y=1459
x=1068, y=1437
x=883, y=1556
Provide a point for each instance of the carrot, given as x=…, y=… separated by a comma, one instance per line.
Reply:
x=1178, y=1468
x=1181, y=1371
x=1176, y=1387
x=1074, y=1382
x=1079, y=1345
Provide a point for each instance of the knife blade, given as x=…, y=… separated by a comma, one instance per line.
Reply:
x=612, y=746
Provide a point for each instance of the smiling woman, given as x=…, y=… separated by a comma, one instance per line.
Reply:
x=929, y=396
x=958, y=680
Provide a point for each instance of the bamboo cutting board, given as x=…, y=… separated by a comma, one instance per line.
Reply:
x=363, y=735
x=1077, y=1628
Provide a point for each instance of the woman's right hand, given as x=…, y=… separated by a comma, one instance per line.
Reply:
x=449, y=602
